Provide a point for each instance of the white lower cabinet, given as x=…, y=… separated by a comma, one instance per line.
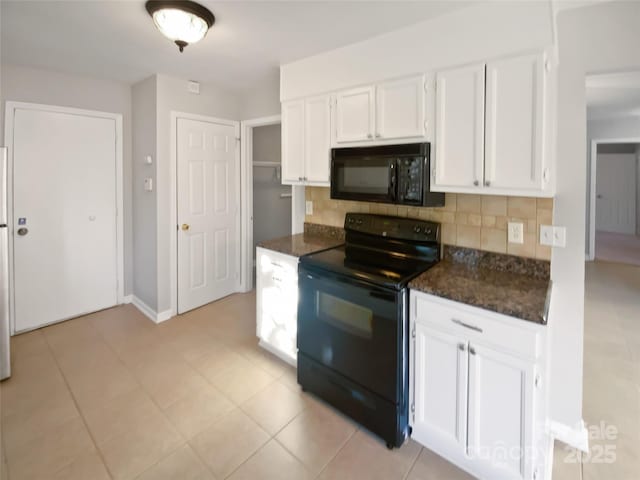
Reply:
x=277, y=303
x=474, y=398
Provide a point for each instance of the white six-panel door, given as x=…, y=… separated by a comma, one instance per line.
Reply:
x=64, y=197
x=616, y=193
x=208, y=215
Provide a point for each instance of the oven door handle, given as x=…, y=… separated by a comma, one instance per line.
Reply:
x=374, y=290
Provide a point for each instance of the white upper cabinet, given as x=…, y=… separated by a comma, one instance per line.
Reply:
x=306, y=141
x=293, y=141
x=493, y=142
x=381, y=113
x=400, y=108
x=317, y=138
x=459, y=145
x=514, y=116
x=355, y=116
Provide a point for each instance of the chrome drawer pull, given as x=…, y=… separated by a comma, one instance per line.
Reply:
x=466, y=325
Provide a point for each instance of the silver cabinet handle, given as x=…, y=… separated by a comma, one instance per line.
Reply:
x=472, y=350
x=487, y=183
x=378, y=135
x=369, y=135
x=461, y=347
x=466, y=325
x=475, y=183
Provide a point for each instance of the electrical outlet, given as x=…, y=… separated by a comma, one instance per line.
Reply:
x=546, y=235
x=560, y=237
x=308, y=207
x=516, y=232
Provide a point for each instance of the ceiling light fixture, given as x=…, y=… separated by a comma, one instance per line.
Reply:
x=182, y=21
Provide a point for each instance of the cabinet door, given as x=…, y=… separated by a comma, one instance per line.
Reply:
x=500, y=411
x=317, y=139
x=355, y=114
x=514, y=123
x=293, y=142
x=459, y=145
x=277, y=302
x=400, y=108
x=440, y=388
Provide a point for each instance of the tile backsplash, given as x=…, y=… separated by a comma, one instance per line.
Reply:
x=473, y=221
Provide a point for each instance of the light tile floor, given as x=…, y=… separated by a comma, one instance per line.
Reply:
x=113, y=396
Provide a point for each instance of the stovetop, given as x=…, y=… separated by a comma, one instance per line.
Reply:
x=382, y=250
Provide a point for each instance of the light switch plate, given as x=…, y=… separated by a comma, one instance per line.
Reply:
x=148, y=184
x=516, y=232
x=546, y=235
x=560, y=237
x=308, y=207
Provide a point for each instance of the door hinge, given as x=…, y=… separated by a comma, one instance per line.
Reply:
x=426, y=86
x=537, y=381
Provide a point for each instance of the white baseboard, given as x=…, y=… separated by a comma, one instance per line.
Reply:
x=150, y=312
x=575, y=437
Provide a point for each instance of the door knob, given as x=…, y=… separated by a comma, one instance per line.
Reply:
x=185, y=227
x=598, y=196
x=23, y=231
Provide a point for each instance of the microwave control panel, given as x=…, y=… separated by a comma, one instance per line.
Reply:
x=410, y=174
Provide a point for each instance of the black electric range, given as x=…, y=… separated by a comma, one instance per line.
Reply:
x=353, y=319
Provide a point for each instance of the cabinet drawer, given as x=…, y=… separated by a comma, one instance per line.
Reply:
x=506, y=333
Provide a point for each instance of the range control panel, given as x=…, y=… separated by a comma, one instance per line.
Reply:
x=393, y=227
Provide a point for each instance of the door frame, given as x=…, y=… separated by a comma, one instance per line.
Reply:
x=246, y=175
x=591, y=253
x=173, y=192
x=10, y=110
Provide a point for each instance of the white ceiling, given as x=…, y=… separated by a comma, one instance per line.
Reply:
x=250, y=39
x=613, y=95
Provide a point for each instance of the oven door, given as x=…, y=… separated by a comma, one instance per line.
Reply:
x=369, y=179
x=354, y=328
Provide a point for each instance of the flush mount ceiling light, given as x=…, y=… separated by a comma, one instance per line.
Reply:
x=182, y=21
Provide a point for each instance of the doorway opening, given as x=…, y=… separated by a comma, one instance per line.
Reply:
x=269, y=208
x=613, y=180
x=617, y=203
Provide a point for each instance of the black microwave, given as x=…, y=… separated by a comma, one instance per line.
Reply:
x=386, y=174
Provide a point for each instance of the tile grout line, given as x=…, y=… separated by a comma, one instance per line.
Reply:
x=75, y=402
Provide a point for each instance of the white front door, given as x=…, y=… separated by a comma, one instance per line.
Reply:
x=64, y=216
x=208, y=213
x=616, y=193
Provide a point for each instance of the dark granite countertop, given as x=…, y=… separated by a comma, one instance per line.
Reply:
x=501, y=283
x=314, y=239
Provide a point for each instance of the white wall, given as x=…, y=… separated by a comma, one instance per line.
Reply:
x=25, y=84
x=262, y=101
x=464, y=36
x=603, y=129
x=172, y=95
x=593, y=39
x=145, y=270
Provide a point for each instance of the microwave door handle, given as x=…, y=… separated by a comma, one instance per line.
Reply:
x=392, y=181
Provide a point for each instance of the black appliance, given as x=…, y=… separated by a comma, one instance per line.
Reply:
x=353, y=319
x=388, y=174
